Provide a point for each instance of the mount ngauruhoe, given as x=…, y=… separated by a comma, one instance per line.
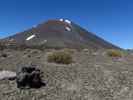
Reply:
x=85, y=67
x=60, y=33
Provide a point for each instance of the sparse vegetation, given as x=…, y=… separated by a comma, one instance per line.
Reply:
x=94, y=77
x=62, y=57
x=71, y=51
x=114, y=53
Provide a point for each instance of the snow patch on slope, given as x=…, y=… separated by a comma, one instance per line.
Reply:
x=68, y=21
x=30, y=37
x=68, y=29
x=65, y=20
x=61, y=20
x=7, y=75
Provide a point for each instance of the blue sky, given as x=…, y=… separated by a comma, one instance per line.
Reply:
x=109, y=19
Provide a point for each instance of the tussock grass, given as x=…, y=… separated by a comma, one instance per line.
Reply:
x=61, y=57
x=115, y=53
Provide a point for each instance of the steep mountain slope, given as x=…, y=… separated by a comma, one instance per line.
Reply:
x=60, y=33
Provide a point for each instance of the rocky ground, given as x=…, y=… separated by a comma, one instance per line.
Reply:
x=91, y=76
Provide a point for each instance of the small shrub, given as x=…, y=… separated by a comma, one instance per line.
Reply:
x=2, y=46
x=114, y=53
x=61, y=57
x=71, y=51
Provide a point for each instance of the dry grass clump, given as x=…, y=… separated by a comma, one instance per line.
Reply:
x=61, y=57
x=71, y=51
x=114, y=53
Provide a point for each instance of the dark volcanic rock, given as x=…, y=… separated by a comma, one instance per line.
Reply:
x=29, y=76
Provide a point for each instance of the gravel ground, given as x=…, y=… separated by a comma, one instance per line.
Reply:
x=91, y=76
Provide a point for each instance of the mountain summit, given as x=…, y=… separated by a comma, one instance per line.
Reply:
x=60, y=33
